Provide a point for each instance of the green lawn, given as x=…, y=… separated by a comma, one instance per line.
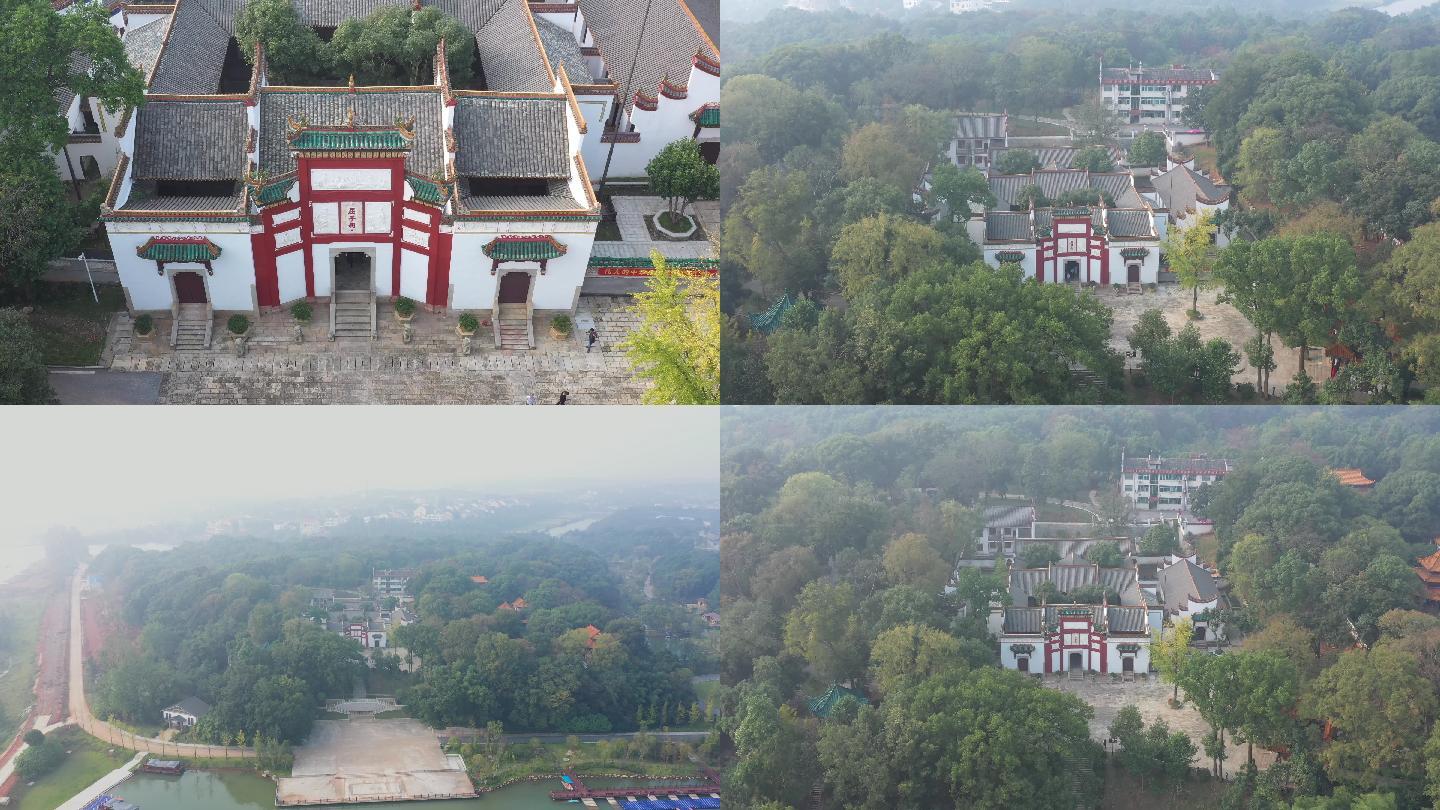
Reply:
x=22, y=617
x=70, y=324
x=89, y=760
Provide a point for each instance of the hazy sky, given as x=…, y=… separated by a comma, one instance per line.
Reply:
x=110, y=468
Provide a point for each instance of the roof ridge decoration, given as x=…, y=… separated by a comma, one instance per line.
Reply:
x=645, y=102
x=351, y=137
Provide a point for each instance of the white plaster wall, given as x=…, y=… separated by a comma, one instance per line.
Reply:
x=1149, y=266
x=992, y=258
x=1037, y=657
x=230, y=287
x=595, y=110
x=1114, y=659
x=474, y=286
x=414, y=274
x=290, y=268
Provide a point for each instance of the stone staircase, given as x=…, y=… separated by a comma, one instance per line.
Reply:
x=514, y=326
x=354, y=313
x=1081, y=773
x=192, y=328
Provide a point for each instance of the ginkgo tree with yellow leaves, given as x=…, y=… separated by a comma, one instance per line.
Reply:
x=677, y=344
x=1192, y=254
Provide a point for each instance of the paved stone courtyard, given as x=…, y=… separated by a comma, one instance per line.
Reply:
x=428, y=370
x=1151, y=696
x=371, y=761
x=630, y=213
x=1220, y=320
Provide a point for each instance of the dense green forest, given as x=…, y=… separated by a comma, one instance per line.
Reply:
x=841, y=525
x=1326, y=126
x=226, y=620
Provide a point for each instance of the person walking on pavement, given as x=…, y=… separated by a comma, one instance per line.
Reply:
x=564, y=395
x=591, y=340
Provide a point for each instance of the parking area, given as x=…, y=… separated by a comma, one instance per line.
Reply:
x=1152, y=697
x=366, y=760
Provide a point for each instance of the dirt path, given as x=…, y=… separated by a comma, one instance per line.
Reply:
x=50, y=682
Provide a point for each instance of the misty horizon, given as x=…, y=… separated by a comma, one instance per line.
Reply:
x=521, y=452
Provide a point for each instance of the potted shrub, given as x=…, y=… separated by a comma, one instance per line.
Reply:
x=238, y=325
x=302, y=313
x=145, y=327
x=467, y=325
x=404, y=309
x=561, y=327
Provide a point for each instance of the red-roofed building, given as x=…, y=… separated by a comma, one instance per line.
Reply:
x=480, y=580
x=1353, y=477
x=1429, y=570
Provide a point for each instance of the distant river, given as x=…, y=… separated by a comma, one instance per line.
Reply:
x=577, y=526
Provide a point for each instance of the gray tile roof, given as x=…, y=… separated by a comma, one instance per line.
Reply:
x=330, y=13
x=1052, y=157
x=548, y=202
x=508, y=52
x=1033, y=621
x=331, y=108
x=190, y=140
x=505, y=137
x=671, y=41
x=981, y=125
x=707, y=13
x=1125, y=223
x=1008, y=517
x=1069, y=575
x=194, y=55
x=1182, y=186
x=1186, y=580
x=1008, y=226
x=192, y=705
x=142, y=45
x=151, y=203
x=1056, y=182
x=562, y=49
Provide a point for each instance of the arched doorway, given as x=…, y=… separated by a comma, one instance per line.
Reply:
x=1023, y=663
x=1077, y=661
x=1072, y=270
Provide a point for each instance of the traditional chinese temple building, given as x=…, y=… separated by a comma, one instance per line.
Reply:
x=1044, y=629
x=1429, y=570
x=231, y=193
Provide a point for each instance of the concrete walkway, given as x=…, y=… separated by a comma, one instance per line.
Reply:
x=106, y=782
x=630, y=213
x=105, y=387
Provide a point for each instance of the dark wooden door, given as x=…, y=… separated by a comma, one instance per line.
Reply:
x=710, y=151
x=514, y=288
x=190, y=288
x=1132, y=273
x=1127, y=664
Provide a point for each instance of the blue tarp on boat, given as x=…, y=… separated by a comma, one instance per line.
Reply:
x=704, y=803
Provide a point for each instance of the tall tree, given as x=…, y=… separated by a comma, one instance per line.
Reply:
x=1192, y=255
x=681, y=176
x=678, y=343
x=24, y=379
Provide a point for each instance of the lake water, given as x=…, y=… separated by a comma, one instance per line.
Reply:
x=239, y=790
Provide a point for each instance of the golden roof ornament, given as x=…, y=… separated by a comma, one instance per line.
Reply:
x=352, y=82
x=350, y=117
x=406, y=127
x=296, y=127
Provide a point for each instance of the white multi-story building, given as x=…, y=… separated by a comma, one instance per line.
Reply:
x=1154, y=482
x=1154, y=96
x=977, y=137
